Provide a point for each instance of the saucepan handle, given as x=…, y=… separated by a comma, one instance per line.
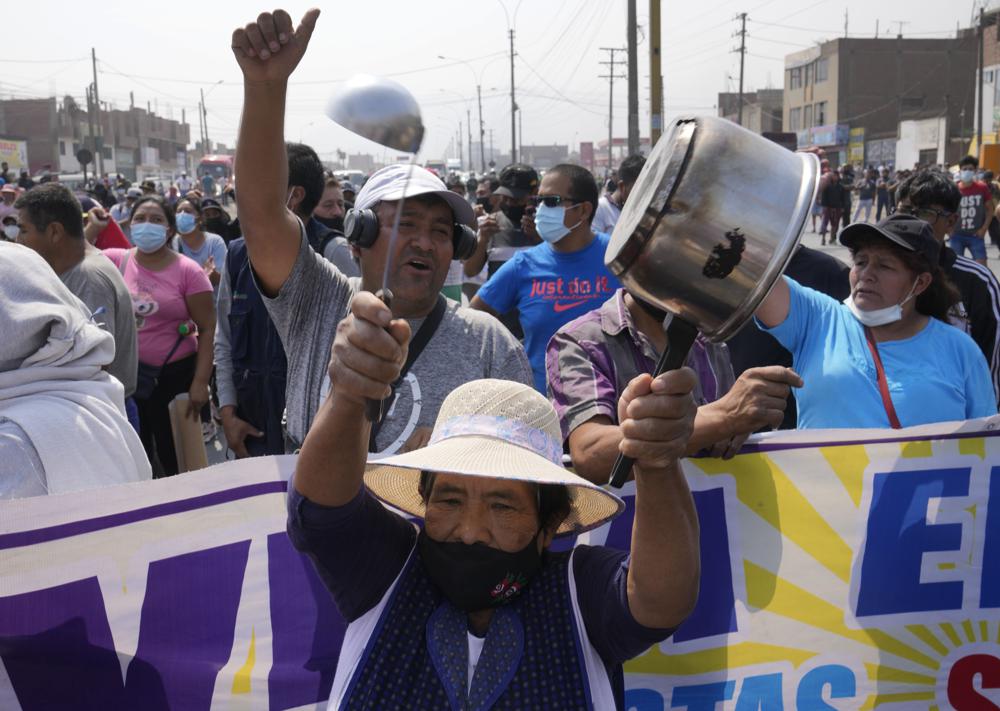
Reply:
x=680, y=338
x=375, y=409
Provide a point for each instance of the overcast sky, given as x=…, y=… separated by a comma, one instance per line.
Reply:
x=166, y=56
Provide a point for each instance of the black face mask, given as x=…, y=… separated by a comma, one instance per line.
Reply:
x=514, y=213
x=334, y=223
x=654, y=311
x=475, y=576
x=483, y=201
x=216, y=224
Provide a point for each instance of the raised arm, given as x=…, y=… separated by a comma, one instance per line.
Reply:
x=267, y=51
x=657, y=418
x=774, y=309
x=366, y=358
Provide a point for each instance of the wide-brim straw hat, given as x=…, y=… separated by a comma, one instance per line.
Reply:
x=496, y=429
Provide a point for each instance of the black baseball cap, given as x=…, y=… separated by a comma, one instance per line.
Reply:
x=908, y=232
x=517, y=180
x=210, y=202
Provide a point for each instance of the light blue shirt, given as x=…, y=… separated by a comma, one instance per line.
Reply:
x=938, y=375
x=214, y=246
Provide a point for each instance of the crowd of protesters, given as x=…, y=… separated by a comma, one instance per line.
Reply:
x=270, y=320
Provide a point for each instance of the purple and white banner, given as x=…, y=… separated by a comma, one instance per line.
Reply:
x=840, y=570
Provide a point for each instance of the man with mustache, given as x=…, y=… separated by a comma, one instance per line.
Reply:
x=307, y=296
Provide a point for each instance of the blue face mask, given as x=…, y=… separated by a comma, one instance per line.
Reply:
x=967, y=176
x=550, y=223
x=186, y=222
x=148, y=236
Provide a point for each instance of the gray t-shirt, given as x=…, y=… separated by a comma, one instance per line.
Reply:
x=467, y=345
x=97, y=282
x=339, y=252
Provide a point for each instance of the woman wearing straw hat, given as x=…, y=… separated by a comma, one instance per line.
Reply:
x=474, y=611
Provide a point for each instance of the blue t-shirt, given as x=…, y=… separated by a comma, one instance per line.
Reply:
x=214, y=246
x=549, y=289
x=938, y=375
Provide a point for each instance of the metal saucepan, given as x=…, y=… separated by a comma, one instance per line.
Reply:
x=710, y=225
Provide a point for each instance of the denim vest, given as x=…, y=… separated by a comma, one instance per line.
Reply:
x=417, y=656
x=259, y=364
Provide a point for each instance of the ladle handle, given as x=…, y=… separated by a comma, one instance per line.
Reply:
x=375, y=409
x=680, y=338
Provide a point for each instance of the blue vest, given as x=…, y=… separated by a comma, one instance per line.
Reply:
x=259, y=364
x=417, y=657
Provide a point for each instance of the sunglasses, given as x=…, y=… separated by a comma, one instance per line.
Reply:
x=553, y=201
x=927, y=214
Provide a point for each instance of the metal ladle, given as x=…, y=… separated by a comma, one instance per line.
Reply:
x=385, y=112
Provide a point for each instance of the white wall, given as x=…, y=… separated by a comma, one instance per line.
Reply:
x=916, y=136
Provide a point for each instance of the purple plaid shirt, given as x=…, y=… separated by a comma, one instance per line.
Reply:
x=591, y=360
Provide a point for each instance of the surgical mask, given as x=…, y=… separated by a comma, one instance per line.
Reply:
x=475, y=576
x=967, y=176
x=550, y=223
x=148, y=236
x=11, y=232
x=514, y=213
x=878, y=317
x=186, y=222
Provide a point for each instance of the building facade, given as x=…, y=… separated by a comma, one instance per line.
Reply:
x=851, y=97
x=762, y=109
x=135, y=142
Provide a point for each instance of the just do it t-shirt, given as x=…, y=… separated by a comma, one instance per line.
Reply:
x=160, y=306
x=549, y=289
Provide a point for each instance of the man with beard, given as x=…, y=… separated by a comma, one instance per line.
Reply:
x=475, y=611
x=307, y=296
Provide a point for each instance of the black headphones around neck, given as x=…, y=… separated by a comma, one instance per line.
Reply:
x=361, y=229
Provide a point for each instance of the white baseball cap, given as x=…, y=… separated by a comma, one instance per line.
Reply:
x=395, y=182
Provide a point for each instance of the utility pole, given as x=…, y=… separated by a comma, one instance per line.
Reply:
x=482, y=132
x=520, y=133
x=201, y=129
x=90, y=124
x=468, y=128
x=610, y=76
x=461, y=150
x=513, y=103
x=845, y=22
x=183, y=122
x=633, y=80
x=982, y=86
x=97, y=109
x=655, y=77
x=491, y=149
x=743, y=54
x=204, y=119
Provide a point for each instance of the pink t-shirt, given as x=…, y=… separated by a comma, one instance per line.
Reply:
x=158, y=299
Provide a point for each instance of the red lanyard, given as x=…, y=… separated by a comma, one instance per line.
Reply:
x=883, y=386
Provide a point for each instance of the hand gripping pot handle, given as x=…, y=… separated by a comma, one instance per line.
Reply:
x=680, y=338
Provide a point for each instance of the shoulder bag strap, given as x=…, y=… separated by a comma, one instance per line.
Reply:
x=883, y=386
x=124, y=262
x=417, y=343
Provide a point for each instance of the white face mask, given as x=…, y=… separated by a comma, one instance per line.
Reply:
x=879, y=317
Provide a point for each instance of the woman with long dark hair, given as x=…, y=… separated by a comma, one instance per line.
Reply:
x=175, y=325
x=886, y=356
